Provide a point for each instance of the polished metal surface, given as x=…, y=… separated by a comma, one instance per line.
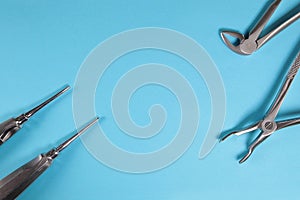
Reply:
x=268, y=125
x=15, y=183
x=11, y=126
x=253, y=42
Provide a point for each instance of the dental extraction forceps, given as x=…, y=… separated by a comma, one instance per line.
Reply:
x=11, y=126
x=14, y=184
x=252, y=43
x=268, y=125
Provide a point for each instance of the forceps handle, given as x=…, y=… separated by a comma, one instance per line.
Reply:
x=277, y=30
x=284, y=89
x=15, y=183
x=287, y=123
x=264, y=20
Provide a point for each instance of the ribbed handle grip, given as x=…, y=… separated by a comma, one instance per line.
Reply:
x=295, y=67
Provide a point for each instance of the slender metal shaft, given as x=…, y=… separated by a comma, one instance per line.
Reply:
x=254, y=34
x=277, y=30
x=39, y=107
x=9, y=127
x=74, y=137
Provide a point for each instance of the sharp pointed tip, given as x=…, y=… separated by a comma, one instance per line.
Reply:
x=245, y=157
x=224, y=33
x=45, y=103
x=229, y=44
x=242, y=161
x=66, y=88
x=226, y=136
x=94, y=121
x=97, y=119
x=223, y=37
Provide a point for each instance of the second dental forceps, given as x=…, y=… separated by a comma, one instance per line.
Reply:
x=14, y=184
x=11, y=126
x=252, y=43
x=268, y=125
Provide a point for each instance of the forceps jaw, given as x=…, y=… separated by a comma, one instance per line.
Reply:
x=244, y=131
x=255, y=41
x=262, y=137
x=246, y=46
x=235, y=48
x=267, y=127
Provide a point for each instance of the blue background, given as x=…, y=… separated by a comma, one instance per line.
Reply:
x=43, y=44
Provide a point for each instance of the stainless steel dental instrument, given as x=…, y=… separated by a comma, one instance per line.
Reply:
x=248, y=45
x=15, y=183
x=11, y=126
x=268, y=125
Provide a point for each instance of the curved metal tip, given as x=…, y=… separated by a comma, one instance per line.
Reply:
x=226, y=136
x=237, y=35
x=246, y=156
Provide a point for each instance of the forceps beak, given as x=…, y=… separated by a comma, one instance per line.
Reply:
x=262, y=137
x=246, y=156
x=241, y=132
x=226, y=136
x=235, y=48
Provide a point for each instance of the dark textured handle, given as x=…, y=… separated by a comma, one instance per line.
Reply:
x=14, y=184
x=295, y=67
